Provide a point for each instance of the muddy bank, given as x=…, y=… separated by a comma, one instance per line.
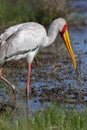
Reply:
x=60, y=95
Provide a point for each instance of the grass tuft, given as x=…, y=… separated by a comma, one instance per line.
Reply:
x=53, y=118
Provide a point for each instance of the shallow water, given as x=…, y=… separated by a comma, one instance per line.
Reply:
x=54, y=68
x=78, y=11
x=80, y=5
x=58, y=73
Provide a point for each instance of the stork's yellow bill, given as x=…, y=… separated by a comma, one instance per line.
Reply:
x=66, y=39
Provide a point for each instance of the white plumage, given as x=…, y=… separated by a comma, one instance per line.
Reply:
x=24, y=40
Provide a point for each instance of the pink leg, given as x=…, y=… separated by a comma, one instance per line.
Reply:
x=28, y=80
x=0, y=72
x=4, y=79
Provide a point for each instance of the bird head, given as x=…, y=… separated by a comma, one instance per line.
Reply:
x=63, y=29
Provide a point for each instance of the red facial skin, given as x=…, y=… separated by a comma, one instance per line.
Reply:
x=64, y=29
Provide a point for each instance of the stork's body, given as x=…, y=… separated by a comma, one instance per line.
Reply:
x=22, y=40
x=25, y=39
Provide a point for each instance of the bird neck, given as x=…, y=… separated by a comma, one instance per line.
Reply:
x=52, y=32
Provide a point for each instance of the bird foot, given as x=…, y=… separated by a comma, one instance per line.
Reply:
x=4, y=79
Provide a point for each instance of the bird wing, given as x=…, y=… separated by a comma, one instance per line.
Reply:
x=9, y=33
x=26, y=38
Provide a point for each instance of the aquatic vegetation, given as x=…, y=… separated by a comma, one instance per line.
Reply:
x=13, y=12
x=53, y=117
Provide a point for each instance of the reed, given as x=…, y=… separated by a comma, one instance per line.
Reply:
x=14, y=12
x=52, y=118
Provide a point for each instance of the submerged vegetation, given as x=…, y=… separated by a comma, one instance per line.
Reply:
x=53, y=118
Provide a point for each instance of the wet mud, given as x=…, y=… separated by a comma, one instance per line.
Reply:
x=53, y=77
x=59, y=95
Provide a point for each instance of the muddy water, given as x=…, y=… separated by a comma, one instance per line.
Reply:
x=53, y=77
